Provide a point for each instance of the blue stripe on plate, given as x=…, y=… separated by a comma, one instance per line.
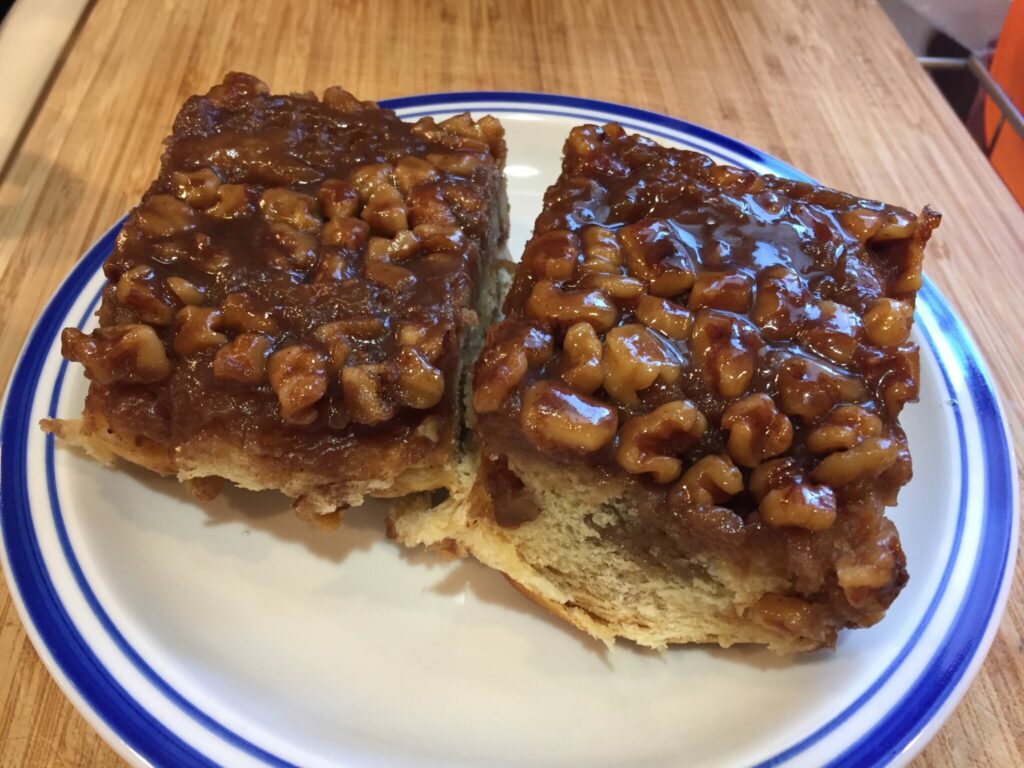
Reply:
x=154, y=742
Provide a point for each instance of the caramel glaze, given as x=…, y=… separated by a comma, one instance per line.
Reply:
x=698, y=217
x=246, y=136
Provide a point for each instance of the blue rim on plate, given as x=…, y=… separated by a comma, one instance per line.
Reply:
x=112, y=708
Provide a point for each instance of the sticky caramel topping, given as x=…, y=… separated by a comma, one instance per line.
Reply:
x=748, y=339
x=298, y=274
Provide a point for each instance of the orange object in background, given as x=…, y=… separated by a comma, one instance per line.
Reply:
x=1008, y=70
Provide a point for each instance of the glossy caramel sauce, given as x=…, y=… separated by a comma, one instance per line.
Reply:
x=782, y=288
x=290, y=277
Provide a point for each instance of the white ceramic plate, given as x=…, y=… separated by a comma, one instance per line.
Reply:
x=230, y=633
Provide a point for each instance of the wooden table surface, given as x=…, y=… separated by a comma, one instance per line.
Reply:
x=828, y=87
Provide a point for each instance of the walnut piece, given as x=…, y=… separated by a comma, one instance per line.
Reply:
x=808, y=389
x=654, y=253
x=553, y=256
x=634, y=359
x=866, y=460
x=711, y=480
x=285, y=206
x=131, y=354
x=664, y=316
x=582, y=352
x=420, y=384
x=164, y=216
x=298, y=377
x=197, y=330
x=757, y=430
x=338, y=199
x=197, y=188
x=724, y=348
x=601, y=250
x=844, y=427
x=556, y=417
x=799, y=505
x=728, y=291
x=364, y=390
x=888, y=322
x=549, y=302
x=648, y=442
x=139, y=291
x=243, y=359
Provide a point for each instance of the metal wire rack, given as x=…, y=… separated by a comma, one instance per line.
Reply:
x=1008, y=112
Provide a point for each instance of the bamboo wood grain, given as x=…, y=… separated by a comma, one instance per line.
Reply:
x=829, y=87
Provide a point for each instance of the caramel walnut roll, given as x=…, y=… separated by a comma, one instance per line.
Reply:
x=710, y=364
x=287, y=306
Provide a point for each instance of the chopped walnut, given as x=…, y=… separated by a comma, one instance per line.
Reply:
x=895, y=225
x=132, y=354
x=866, y=460
x=139, y=291
x=197, y=330
x=390, y=275
x=620, y=288
x=757, y=430
x=385, y=211
x=553, y=256
x=336, y=341
x=456, y=163
x=234, y=201
x=583, y=369
x=724, y=350
x=285, y=206
x=634, y=359
x=164, y=216
x=403, y=245
x=186, y=292
x=443, y=238
x=711, y=480
x=772, y=474
x=241, y=313
x=333, y=268
x=298, y=376
x=426, y=205
x=888, y=322
x=665, y=317
x=799, y=505
x=808, y=389
x=601, y=250
x=548, y=302
x=412, y=171
x=649, y=443
x=728, y=291
x=300, y=248
x=844, y=427
x=780, y=303
x=510, y=350
x=833, y=331
x=420, y=384
x=655, y=254
x=862, y=223
x=243, y=359
x=338, y=98
x=584, y=139
x=364, y=389
x=368, y=179
x=555, y=416
x=197, y=188
x=346, y=232
x=338, y=199
x=427, y=339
